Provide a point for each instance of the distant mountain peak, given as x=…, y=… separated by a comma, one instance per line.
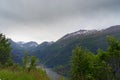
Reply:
x=80, y=32
x=114, y=27
x=33, y=43
x=111, y=29
x=27, y=44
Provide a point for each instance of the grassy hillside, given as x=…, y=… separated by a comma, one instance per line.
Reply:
x=14, y=73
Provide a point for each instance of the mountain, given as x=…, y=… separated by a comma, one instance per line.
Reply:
x=28, y=46
x=55, y=54
x=60, y=51
x=22, y=46
x=78, y=34
x=43, y=46
x=18, y=49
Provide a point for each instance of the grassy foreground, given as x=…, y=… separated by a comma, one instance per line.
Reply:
x=11, y=74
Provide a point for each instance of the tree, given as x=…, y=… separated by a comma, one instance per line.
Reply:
x=81, y=64
x=4, y=50
x=25, y=60
x=114, y=56
x=103, y=66
x=103, y=71
x=33, y=63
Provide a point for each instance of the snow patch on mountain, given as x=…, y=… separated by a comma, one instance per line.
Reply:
x=80, y=32
x=28, y=44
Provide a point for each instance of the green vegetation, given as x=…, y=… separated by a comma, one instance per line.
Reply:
x=61, y=78
x=5, y=58
x=12, y=71
x=64, y=70
x=102, y=66
x=25, y=60
x=10, y=74
x=32, y=63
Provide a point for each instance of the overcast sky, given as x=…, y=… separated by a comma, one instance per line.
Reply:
x=49, y=20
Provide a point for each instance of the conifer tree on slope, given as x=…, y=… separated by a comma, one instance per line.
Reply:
x=5, y=49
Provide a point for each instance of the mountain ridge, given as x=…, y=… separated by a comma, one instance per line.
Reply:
x=57, y=53
x=80, y=32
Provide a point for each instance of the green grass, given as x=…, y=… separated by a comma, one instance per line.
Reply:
x=9, y=74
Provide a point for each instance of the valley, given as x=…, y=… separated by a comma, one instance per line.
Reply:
x=57, y=54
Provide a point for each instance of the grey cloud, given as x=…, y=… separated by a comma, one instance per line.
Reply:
x=50, y=10
x=51, y=19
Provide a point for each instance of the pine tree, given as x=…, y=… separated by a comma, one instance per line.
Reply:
x=5, y=49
